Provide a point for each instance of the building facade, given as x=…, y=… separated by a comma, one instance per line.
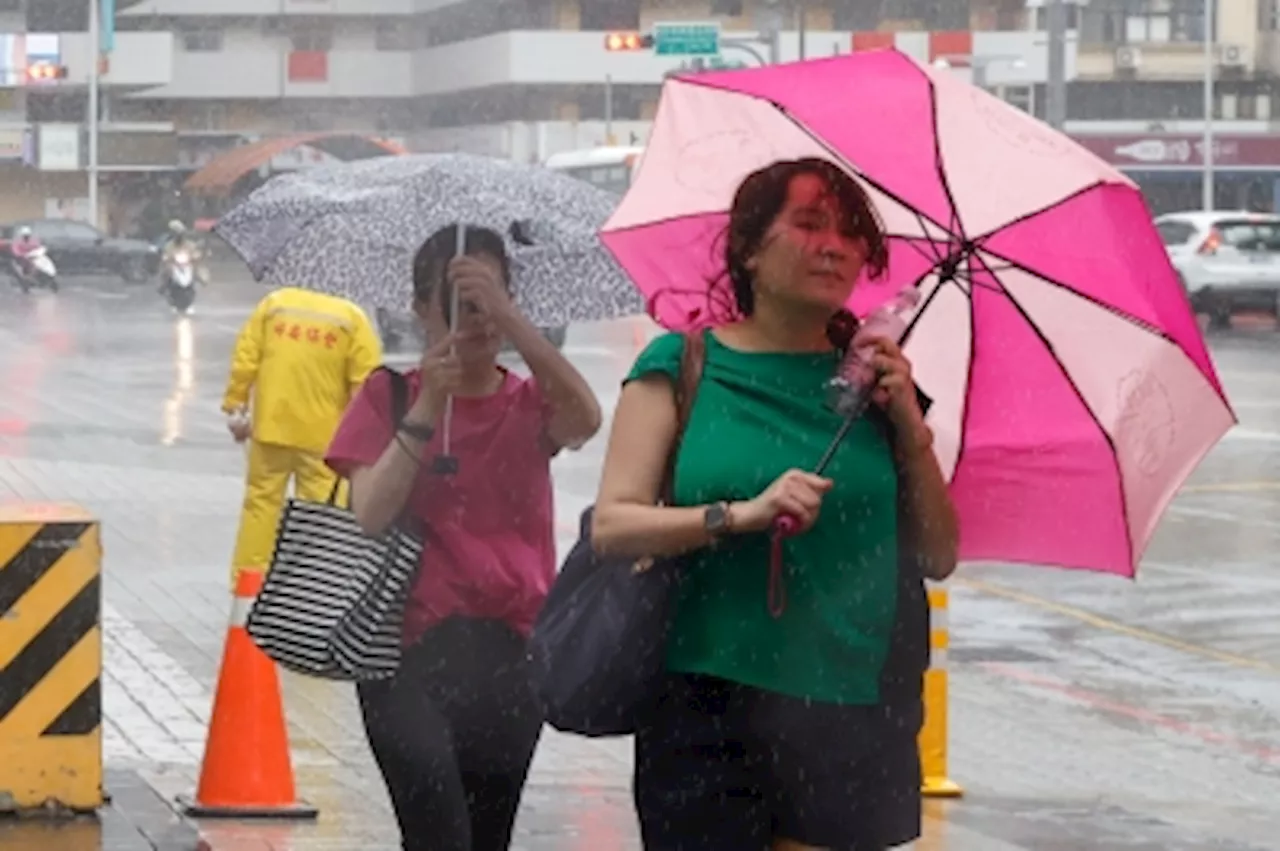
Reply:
x=191, y=79
x=1139, y=101
x=43, y=118
x=519, y=78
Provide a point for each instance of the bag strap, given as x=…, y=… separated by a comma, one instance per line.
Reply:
x=693, y=358
x=399, y=407
x=399, y=394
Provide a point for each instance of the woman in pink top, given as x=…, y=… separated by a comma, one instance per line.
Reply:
x=455, y=730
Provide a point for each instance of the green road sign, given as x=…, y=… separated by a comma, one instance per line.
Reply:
x=686, y=39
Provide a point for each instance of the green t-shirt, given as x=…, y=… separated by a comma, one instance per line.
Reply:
x=755, y=416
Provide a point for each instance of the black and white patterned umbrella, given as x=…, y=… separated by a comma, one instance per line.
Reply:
x=352, y=229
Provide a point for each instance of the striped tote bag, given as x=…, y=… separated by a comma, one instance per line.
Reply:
x=332, y=604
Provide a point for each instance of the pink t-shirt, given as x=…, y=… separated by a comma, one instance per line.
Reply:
x=488, y=529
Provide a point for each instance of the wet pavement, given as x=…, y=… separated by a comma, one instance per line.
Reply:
x=1086, y=712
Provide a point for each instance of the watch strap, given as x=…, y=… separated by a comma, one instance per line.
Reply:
x=417, y=431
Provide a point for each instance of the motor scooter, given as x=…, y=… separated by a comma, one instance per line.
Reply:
x=180, y=282
x=33, y=268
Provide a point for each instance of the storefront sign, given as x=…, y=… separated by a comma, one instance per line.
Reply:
x=1185, y=151
x=59, y=147
x=13, y=143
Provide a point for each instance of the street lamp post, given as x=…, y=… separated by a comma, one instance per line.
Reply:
x=1210, y=65
x=608, y=109
x=95, y=70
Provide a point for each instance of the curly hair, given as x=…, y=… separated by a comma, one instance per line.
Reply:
x=762, y=196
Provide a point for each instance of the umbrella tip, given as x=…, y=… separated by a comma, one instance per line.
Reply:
x=521, y=232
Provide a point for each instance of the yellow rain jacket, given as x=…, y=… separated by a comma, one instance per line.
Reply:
x=302, y=355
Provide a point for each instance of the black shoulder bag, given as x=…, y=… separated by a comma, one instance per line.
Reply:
x=598, y=648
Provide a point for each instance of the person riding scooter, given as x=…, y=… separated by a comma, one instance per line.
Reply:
x=180, y=239
x=31, y=263
x=180, y=273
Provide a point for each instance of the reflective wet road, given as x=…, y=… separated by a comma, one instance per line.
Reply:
x=1087, y=712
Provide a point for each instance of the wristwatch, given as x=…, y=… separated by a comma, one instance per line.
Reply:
x=717, y=520
x=417, y=431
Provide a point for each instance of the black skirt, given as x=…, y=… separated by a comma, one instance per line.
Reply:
x=721, y=765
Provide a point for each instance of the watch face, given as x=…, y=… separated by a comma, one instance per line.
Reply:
x=717, y=519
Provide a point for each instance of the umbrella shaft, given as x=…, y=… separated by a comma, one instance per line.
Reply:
x=446, y=426
x=841, y=434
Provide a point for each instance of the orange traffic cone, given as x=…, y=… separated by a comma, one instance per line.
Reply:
x=247, y=772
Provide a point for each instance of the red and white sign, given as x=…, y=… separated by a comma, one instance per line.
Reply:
x=1185, y=151
x=951, y=45
x=1007, y=57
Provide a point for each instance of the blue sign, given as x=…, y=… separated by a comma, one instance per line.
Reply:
x=108, y=30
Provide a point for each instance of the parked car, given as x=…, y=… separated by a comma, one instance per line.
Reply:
x=1228, y=261
x=80, y=249
x=395, y=327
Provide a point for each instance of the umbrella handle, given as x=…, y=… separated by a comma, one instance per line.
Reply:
x=446, y=431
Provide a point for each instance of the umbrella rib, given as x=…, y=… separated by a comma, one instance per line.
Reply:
x=1131, y=319
x=932, y=254
x=842, y=159
x=957, y=225
x=1075, y=388
x=965, y=404
x=915, y=319
x=1040, y=211
x=1141, y=324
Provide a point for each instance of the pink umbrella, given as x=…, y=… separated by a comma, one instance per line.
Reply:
x=1072, y=390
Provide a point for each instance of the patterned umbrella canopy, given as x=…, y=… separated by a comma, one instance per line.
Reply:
x=352, y=229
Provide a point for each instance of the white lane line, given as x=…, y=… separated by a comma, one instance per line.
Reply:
x=1249, y=518
x=1257, y=435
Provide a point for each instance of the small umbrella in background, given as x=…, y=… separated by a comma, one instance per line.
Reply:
x=1072, y=390
x=351, y=229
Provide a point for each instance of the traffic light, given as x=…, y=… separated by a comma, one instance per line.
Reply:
x=627, y=41
x=45, y=72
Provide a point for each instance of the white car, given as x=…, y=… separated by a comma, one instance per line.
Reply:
x=1228, y=261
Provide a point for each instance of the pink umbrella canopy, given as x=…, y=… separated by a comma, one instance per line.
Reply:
x=1073, y=393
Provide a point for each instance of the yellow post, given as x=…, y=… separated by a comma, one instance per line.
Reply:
x=50, y=659
x=933, y=737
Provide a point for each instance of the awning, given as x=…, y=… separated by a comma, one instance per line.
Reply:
x=220, y=175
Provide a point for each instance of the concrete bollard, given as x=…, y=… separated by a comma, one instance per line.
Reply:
x=50, y=659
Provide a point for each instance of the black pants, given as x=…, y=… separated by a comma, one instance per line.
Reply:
x=454, y=733
x=725, y=767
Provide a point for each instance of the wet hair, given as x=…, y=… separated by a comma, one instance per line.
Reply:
x=762, y=196
x=434, y=254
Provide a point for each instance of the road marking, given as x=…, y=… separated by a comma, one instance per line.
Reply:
x=1256, y=404
x=1247, y=374
x=1109, y=625
x=1144, y=716
x=1230, y=517
x=1233, y=487
x=1253, y=434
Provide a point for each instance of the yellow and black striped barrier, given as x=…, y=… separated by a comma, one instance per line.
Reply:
x=50, y=658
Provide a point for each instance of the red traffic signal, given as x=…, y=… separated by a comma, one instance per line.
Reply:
x=46, y=72
x=627, y=41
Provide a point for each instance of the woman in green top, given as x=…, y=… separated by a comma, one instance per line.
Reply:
x=770, y=730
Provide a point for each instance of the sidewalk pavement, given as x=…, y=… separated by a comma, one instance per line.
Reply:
x=1086, y=712
x=1039, y=737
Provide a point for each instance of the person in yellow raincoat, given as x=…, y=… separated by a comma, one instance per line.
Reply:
x=299, y=359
